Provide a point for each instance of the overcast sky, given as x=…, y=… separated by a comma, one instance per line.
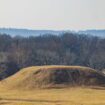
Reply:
x=53, y=14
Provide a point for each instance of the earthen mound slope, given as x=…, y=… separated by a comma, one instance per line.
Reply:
x=54, y=77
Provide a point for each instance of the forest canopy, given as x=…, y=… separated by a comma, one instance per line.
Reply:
x=65, y=49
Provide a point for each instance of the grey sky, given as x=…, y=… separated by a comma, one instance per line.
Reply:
x=53, y=14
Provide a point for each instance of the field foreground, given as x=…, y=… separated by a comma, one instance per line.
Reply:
x=82, y=86
x=64, y=96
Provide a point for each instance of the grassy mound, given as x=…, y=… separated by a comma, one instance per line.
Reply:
x=54, y=76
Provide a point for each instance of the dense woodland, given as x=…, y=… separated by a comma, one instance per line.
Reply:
x=65, y=49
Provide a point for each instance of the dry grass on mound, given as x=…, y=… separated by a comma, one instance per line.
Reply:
x=54, y=76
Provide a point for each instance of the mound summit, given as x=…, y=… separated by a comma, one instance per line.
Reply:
x=54, y=76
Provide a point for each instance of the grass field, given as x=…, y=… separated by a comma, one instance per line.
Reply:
x=65, y=96
x=12, y=94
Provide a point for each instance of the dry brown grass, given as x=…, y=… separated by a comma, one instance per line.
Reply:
x=64, y=96
x=19, y=89
x=54, y=76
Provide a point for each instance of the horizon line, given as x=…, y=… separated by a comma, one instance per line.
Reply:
x=26, y=28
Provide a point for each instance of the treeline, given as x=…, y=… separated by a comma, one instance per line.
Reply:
x=65, y=49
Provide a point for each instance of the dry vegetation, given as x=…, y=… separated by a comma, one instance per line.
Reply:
x=65, y=96
x=20, y=88
x=54, y=76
